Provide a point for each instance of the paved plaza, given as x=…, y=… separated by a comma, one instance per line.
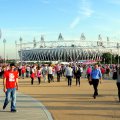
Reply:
x=63, y=102
x=28, y=109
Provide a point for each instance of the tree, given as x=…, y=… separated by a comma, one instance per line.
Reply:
x=106, y=58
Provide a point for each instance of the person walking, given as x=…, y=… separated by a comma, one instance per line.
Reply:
x=39, y=74
x=69, y=74
x=58, y=71
x=95, y=77
x=32, y=75
x=88, y=72
x=118, y=82
x=78, y=75
x=10, y=85
x=50, y=77
x=44, y=72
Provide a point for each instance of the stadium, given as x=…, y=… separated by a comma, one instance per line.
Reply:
x=67, y=50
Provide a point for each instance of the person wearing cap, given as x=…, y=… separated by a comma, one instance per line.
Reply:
x=10, y=85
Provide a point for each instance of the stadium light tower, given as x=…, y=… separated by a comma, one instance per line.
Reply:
x=82, y=37
x=60, y=37
x=4, y=42
x=34, y=43
x=16, y=50
x=42, y=42
x=118, y=47
x=21, y=50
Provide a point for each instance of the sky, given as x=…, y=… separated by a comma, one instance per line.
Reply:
x=30, y=19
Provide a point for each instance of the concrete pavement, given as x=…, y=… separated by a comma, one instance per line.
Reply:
x=28, y=109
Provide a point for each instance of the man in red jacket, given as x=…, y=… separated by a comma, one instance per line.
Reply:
x=10, y=84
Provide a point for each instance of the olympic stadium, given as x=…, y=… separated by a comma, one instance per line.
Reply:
x=66, y=50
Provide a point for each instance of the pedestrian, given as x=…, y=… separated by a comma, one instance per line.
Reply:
x=32, y=75
x=78, y=76
x=10, y=84
x=50, y=73
x=58, y=71
x=23, y=70
x=88, y=72
x=95, y=77
x=44, y=72
x=39, y=74
x=118, y=82
x=69, y=74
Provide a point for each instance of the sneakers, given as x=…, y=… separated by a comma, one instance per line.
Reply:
x=94, y=96
x=13, y=110
x=4, y=107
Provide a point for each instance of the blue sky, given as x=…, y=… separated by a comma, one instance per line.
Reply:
x=33, y=18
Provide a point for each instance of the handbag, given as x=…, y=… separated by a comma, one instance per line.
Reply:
x=90, y=82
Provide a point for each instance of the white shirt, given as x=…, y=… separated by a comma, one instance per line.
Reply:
x=69, y=71
x=50, y=70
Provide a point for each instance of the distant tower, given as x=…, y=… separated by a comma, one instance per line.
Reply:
x=42, y=42
x=99, y=42
x=99, y=37
x=82, y=37
x=60, y=37
x=34, y=43
x=108, y=40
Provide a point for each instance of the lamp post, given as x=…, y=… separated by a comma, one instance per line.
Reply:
x=111, y=55
x=16, y=50
x=20, y=50
x=118, y=52
x=104, y=61
x=4, y=41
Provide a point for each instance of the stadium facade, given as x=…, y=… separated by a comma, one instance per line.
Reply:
x=66, y=50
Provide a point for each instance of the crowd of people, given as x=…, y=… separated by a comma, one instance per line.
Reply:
x=10, y=74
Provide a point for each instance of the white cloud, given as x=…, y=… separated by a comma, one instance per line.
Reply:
x=84, y=11
x=85, y=8
x=75, y=22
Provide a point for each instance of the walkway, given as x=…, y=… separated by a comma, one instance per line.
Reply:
x=28, y=109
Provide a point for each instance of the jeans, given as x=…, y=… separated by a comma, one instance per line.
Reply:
x=11, y=94
x=49, y=78
x=77, y=80
x=23, y=75
x=58, y=76
x=69, y=80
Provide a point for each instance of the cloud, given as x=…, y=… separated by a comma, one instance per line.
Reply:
x=85, y=8
x=75, y=22
x=84, y=11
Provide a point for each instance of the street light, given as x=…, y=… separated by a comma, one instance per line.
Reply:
x=111, y=55
x=16, y=50
x=4, y=41
x=118, y=52
x=20, y=50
